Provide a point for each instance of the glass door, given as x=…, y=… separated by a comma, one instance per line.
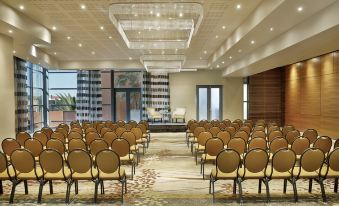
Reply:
x=127, y=104
x=209, y=102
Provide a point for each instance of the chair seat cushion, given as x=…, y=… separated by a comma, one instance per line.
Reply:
x=331, y=173
x=251, y=175
x=276, y=174
x=112, y=176
x=304, y=173
x=30, y=175
x=4, y=174
x=221, y=175
x=127, y=157
x=85, y=176
x=208, y=157
x=58, y=175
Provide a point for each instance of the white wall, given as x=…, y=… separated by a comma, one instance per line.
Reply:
x=7, y=99
x=183, y=92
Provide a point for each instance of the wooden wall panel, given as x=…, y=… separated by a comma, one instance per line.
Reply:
x=330, y=95
x=310, y=95
x=336, y=62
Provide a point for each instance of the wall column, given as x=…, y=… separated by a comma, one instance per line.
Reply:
x=7, y=98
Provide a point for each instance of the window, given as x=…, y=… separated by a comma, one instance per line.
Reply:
x=106, y=89
x=36, y=78
x=62, y=96
x=245, y=97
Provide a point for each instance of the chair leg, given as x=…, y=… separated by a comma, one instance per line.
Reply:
x=76, y=187
x=295, y=192
x=240, y=191
x=310, y=186
x=234, y=186
x=336, y=185
x=102, y=187
x=26, y=187
x=213, y=190
x=96, y=191
x=50, y=187
x=1, y=188
x=323, y=194
x=267, y=190
x=203, y=170
x=68, y=191
x=259, y=187
x=285, y=186
x=209, y=186
x=11, y=198
x=41, y=186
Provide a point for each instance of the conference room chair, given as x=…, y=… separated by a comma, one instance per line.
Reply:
x=60, y=136
x=90, y=136
x=109, y=137
x=35, y=147
x=128, y=126
x=130, y=137
x=133, y=123
x=227, y=122
x=81, y=167
x=225, y=136
x=108, y=165
x=222, y=126
x=194, y=139
x=120, y=130
x=42, y=137
x=21, y=137
x=239, y=145
x=207, y=126
x=213, y=147
x=145, y=131
x=104, y=130
x=283, y=162
x=336, y=144
x=99, y=127
x=57, y=145
x=9, y=145
x=258, y=133
x=24, y=166
x=122, y=148
x=235, y=125
x=76, y=144
x=54, y=168
x=254, y=167
x=200, y=147
x=274, y=134
x=78, y=130
x=259, y=128
x=324, y=143
x=241, y=134
x=292, y=135
x=96, y=146
x=331, y=168
x=257, y=143
x=214, y=130
x=226, y=168
x=64, y=126
x=231, y=130
x=6, y=171
x=299, y=146
x=215, y=122
x=90, y=129
x=247, y=129
x=311, y=135
x=311, y=162
x=48, y=131
x=273, y=128
x=121, y=123
x=140, y=140
x=277, y=144
x=62, y=130
x=286, y=129
x=74, y=135
x=190, y=131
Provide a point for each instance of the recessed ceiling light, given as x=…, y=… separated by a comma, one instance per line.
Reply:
x=14, y=51
x=218, y=66
x=55, y=53
x=223, y=27
x=110, y=37
x=200, y=58
x=130, y=58
x=10, y=31
x=300, y=8
x=151, y=12
x=83, y=6
x=223, y=62
x=102, y=28
x=162, y=52
x=68, y=37
x=80, y=45
x=271, y=29
x=180, y=14
x=252, y=42
x=54, y=28
x=238, y=6
x=21, y=7
x=230, y=57
x=216, y=36
x=239, y=50
x=158, y=14
x=93, y=52
x=139, y=32
x=205, y=52
x=135, y=15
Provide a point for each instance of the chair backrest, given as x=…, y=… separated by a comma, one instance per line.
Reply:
x=238, y=144
x=274, y=134
x=79, y=161
x=278, y=143
x=255, y=160
x=215, y=122
x=225, y=136
x=34, y=146
x=258, y=133
x=107, y=162
x=109, y=137
x=192, y=127
x=143, y=128
x=259, y=128
x=222, y=126
x=77, y=129
x=283, y=160
x=90, y=129
x=120, y=130
x=21, y=137
x=74, y=144
x=324, y=143
x=214, y=146
x=227, y=122
x=312, y=160
x=57, y=145
x=22, y=161
x=231, y=130
x=214, y=131
x=9, y=145
x=247, y=129
x=62, y=130
x=121, y=147
x=242, y=134
x=48, y=131
x=299, y=145
x=311, y=134
x=286, y=129
x=51, y=161
x=60, y=136
x=137, y=132
x=42, y=137
x=97, y=145
x=133, y=123
x=130, y=137
x=207, y=126
x=74, y=135
x=248, y=124
x=113, y=127
x=235, y=125
x=257, y=143
x=121, y=123
x=128, y=126
x=104, y=130
x=203, y=137
x=333, y=160
x=336, y=144
x=228, y=161
x=99, y=127
x=64, y=126
x=90, y=136
x=197, y=131
x=273, y=128
x=292, y=135
x=3, y=162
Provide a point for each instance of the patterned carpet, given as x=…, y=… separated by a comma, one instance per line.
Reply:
x=167, y=175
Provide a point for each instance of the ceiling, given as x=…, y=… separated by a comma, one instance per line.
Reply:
x=239, y=37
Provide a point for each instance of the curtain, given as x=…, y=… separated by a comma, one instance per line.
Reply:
x=156, y=94
x=89, y=99
x=21, y=96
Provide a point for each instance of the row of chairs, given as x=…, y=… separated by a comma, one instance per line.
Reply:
x=284, y=165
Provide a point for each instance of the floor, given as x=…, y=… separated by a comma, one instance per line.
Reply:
x=167, y=175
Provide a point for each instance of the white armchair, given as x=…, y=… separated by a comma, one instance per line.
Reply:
x=153, y=115
x=179, y=113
